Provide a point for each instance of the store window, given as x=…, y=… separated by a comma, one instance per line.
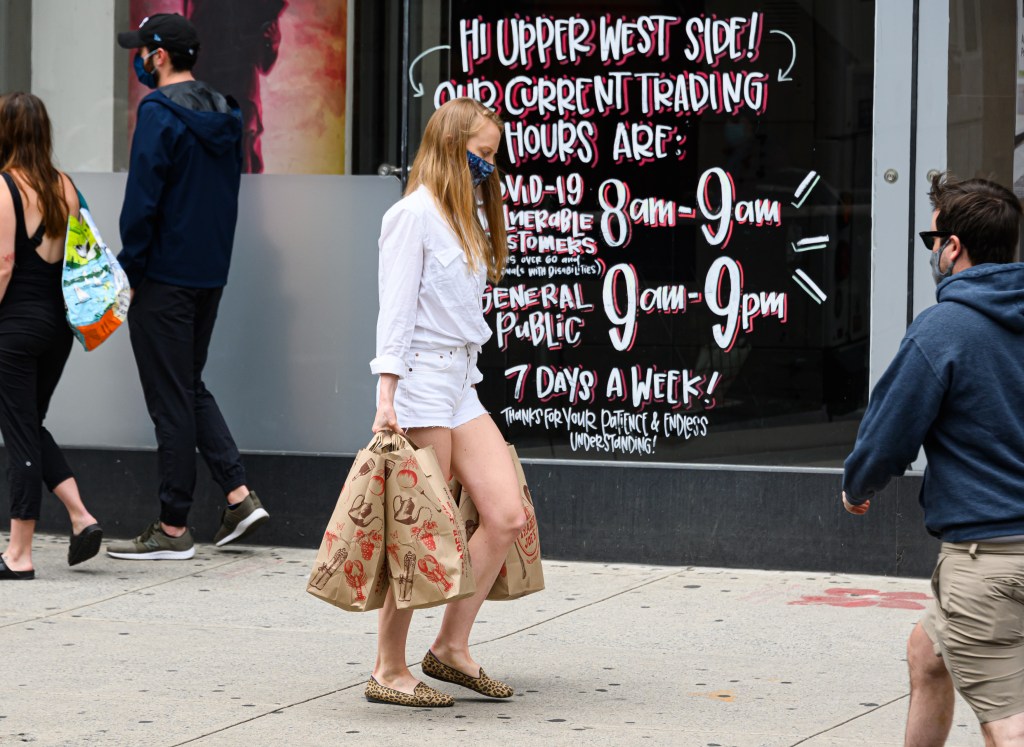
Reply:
x=15, y=50
x=983, y=117
x=688, y=191
x=688, y=204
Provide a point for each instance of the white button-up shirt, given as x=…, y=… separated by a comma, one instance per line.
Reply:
x=430, y=299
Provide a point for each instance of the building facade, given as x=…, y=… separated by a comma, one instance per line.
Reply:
x=712, y=208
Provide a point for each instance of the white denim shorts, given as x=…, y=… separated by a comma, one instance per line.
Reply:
x=436, y=388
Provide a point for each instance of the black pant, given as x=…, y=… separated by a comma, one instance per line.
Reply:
x=35, y=342
x=170, y=329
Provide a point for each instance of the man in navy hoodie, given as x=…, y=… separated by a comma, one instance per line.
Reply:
x=177, y=230
x=954, y=388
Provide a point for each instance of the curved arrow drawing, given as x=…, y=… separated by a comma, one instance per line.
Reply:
x=416, y=88
x=783, y=76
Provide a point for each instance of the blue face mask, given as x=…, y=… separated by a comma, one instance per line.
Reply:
x=479, y=168
x=145, y=77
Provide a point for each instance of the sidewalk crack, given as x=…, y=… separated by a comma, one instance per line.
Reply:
x=849, y=720
x=583, y=607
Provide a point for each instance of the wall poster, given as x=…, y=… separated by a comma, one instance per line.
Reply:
x=688, y=205
x=284, y=62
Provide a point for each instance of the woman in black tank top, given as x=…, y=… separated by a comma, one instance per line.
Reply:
x=35, y=339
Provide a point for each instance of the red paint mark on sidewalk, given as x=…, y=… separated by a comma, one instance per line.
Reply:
x=841, y=597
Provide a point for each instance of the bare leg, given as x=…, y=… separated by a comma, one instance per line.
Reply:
x=931, y=693
x=482, y=463
x=67, y=493
x=18, y=556
x=391, y=669
x=1006, y=732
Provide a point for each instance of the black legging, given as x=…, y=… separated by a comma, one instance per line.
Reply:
x=33, y=352
x=35, y=342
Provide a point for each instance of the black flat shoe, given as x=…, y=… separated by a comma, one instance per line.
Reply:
x=6, y=574
x=85, y=544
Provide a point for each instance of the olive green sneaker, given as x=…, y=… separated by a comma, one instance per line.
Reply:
x=240, y=521
x=153, y=544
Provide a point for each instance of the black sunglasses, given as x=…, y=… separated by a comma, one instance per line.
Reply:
x=928, y=238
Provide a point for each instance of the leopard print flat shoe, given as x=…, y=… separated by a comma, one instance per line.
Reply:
x=423, y=696
x=483, y=684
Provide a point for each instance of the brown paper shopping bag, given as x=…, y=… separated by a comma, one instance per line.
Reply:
x=427, y=554
x=521, y=573
x=350, y=571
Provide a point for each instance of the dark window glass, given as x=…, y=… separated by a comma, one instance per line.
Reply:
x=15, y=45
x=983, y=90
x=689, y=278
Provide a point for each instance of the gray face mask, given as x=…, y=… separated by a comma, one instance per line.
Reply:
x=938, y=275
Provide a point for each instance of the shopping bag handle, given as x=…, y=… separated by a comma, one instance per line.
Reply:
x=387, y=440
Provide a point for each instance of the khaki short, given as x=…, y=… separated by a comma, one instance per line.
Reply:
x=976, y=624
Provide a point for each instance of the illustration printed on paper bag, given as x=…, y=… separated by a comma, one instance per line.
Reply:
x=364, y=469
x=377, y=482
x=380, y=586
x=368, y=542
x=430, y=501
x=328, y=569
x=461, y=543
x=449, y=498
x=394, y=548
x=405, y=581
x=407, y=477
x=355, y=576
x=404, y=557
x=526, y=543
x=406, y=511
x=361, y=513
x=425, y=533
x=330, y=537
x=434, y=571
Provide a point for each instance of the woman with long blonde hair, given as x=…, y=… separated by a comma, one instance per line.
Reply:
x=435, y=260
x=35, y=339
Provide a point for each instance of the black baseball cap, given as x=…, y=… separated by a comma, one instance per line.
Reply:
x=168, y=31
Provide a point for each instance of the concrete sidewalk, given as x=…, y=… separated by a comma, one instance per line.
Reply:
x=228, y=649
